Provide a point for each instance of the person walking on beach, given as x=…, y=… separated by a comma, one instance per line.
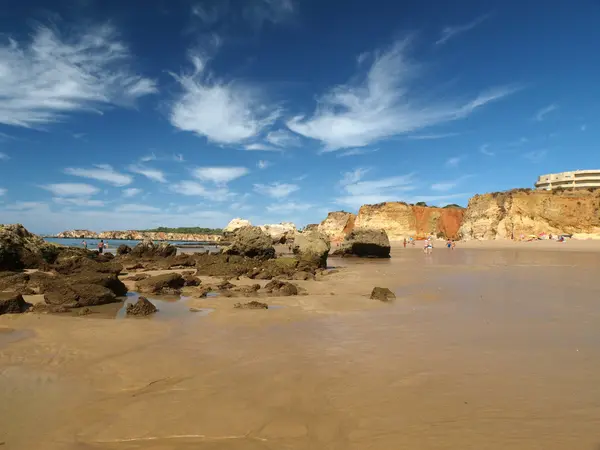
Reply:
x=453, y=244
x=84, y=244
x=449, y=244
x=404, y=242
x=100, y=246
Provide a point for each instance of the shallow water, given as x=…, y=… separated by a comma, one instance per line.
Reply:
x=482, y=350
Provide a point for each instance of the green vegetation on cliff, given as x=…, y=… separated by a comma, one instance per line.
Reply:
x=185, y=230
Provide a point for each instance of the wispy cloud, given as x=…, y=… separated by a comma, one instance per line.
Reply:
x=289, y=207
x=101, y=172
x=262, y=164
x=453, y=31
x=257, y=146
x=485, y=150
x=223, y=112
x=356, y=152
x=4, y=157
x=445, y=186
x=131, y=192
x=86, y=202
x=276, y=190
x=255, y=13
x=358, y=192
x=3, y=191
x=219, y=175
x=149, y=157
x=193, y=188
x=383, y=105
x=71, y=189
x=425, y=137
x=535, y=156
x=542, y=113
x=52, y=76
x=282, y=138
x=454, y=161
x=135, y=207
x=148, y=172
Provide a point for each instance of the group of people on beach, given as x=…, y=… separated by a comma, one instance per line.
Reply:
x=428, y=247
x=101, y=245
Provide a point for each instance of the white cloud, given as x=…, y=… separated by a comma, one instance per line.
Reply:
x=3, y=191
x=542, y=113
x=193, y=188
x=22, y=206
x=71, y=189
x=131, y=192
x=261, y=147
x=4, y=157
x=445, y=186
x=535, y=156
x=426, y=137
x=484, y=149
x=453, y=31
x=353, y=176
x=454, y=161
x=150, y=173
x=178, y=157
x=134, y=207
x=101, y=172
x=52, y=76
x=356, y=152
x=382, y=105
x=78, y=201
x=223, y=112
x=262, y=164
x=360, y=192
x=289, y=207
x=149, y=157
x=282, y=138
x=276, y=190
x=219, y=175
x=258, y=12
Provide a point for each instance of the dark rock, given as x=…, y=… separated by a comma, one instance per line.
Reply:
x=382, y=294
x=312, y=249
x=85, y=312
x=169, y=283
x=107, y=280
x=281, y=288
x=78, y=264
x=134, y=266
x=302, y=275
x=143, y=307
x=20, y=249
x=44, y=308
x=138, y=277
x=224, y=265
x=190, y=280
x=251, y=242
x=123, y=250
x=12, y=303
x=148, y=249
x=93, y=295
x=365, y=243
x=250, y=290
x=251, y=305
x=224, y=285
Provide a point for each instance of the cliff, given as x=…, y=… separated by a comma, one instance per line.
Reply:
x=337, y=225
x=515, y=213
x=401, y=220
x=139, y=235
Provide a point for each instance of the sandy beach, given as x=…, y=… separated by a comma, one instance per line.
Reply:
x=492, y=345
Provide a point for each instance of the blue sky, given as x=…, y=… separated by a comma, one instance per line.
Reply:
x=190, y=113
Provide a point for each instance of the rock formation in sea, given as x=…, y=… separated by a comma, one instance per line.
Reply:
x=78, y=234
x=236, y=224
x=337, y=225
x=139, y=236
x=523, y=212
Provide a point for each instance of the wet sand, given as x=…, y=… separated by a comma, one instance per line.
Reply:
x=483, y=349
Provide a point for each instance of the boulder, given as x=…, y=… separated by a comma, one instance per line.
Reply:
x=303, y=276
x=281, y=288
x=251, y=305
x=85, y=312
x=138, y=277
x=44, y=308
x=107, y=280
x=235, y=225
x=78, y=264
x=12, y=303
x=169, y=283
x=79, y=295
x=148, y=249
x=20, y=249
x=251, y=242
x=248, y=290
x=365, y=243
x=123, y=250
x=280, y=232
x=190, y=280
x=312, y=249
x=382, y=294
x=143, y=307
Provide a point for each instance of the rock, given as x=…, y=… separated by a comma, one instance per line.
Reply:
x=12, y=303
x=248, y=290
x=44, y=308
x=77, y=234
x=84, y=312
x=190, y=280
x=365, y=243
x=138, y=277
x=20, y=249
x=143, y=307
x=235, y=225
x=338, y=225
x=281, y=288
x=169, y=283
x=123, y=250
x=281, y=232
x=147, y=249
x=382, y=294
x=107, y=280
x=302, y=275
x=78, y=264
x=79, y=295
x=312, y=249
x=224, y=285
x=251, y=242
x=251, y=305
x=134, y=266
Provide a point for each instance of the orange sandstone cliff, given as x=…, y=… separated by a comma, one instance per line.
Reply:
x=337, y=225
x=522, y=212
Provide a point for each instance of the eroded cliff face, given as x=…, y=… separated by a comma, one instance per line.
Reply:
x=139, y=235
x=401, y=220
x=517, y=213
x=337, y=225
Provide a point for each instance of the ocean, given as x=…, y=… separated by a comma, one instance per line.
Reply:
x=113, y=244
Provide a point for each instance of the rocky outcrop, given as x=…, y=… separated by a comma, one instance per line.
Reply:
x=12, y=303
x=365, y=243
x=382, y=294
x=169, y=283
x=312, y=249
x=251, y=305
x=236, y=224
x=337, y=225
x=280, y=232
x=401, y=220
x=521, y=213
x=251, y=242
x=78, y=295
x=148, y=249
x=77, y=234
x=20, y=249
x=143, y=307
x=139, y=236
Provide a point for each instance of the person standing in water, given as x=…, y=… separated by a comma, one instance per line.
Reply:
x=100, y=246
x=84, y=244
x=404, y=242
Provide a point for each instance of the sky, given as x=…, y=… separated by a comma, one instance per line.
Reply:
x=115, y=115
